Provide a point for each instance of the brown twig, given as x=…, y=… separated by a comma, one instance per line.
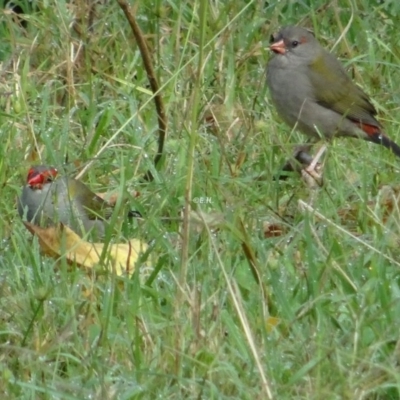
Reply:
x=147, y=62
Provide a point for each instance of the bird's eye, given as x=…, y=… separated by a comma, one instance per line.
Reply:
x=295, y=43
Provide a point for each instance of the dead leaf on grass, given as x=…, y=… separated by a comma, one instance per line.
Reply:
x=112, y=199
x=60, y=241
x=384, y=205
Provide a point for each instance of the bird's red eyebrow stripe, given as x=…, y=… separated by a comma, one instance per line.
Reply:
x=303, y=39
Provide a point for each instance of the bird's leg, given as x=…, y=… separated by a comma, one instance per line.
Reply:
x=313, y=170
x=300, y=159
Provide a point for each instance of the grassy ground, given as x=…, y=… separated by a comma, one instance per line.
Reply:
x=309, y=311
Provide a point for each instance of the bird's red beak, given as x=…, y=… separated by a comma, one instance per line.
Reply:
x=34, y=177
x=278, y=47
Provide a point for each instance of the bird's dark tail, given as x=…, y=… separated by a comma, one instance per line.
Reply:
x=380, y=138
x=375, y=135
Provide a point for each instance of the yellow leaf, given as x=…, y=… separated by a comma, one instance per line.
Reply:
x=60, y=241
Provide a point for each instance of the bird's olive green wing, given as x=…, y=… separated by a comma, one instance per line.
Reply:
x=334, y=89
x=96, y=207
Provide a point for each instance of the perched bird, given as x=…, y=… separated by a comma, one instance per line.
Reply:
x=312, y=92
x=47, y=198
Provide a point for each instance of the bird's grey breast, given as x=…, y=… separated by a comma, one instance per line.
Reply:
x=289, y=86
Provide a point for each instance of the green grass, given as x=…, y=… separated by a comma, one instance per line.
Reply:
x=198, y=325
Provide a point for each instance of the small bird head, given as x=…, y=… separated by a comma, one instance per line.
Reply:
x=40, y=175
x=292, y=39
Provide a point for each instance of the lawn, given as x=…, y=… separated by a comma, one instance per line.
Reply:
x=255, y=288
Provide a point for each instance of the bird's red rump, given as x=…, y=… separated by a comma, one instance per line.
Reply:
x=369, y=129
